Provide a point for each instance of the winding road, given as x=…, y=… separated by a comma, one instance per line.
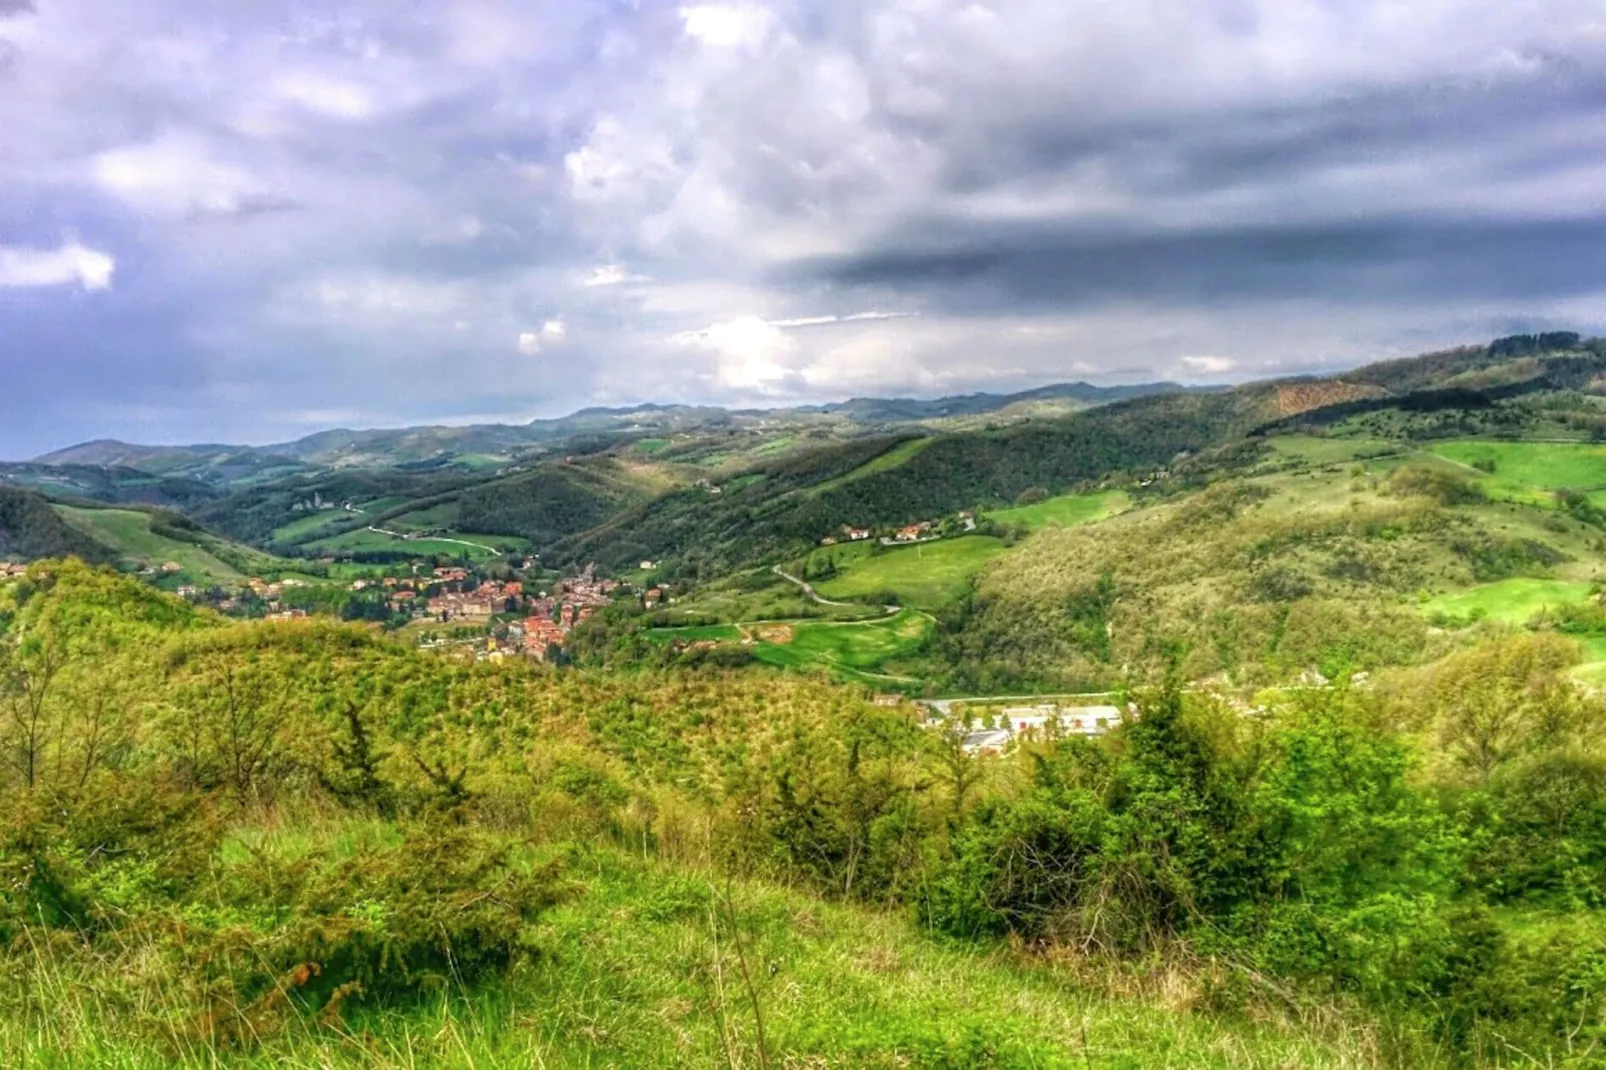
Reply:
x=434, y=538
x=815, y=596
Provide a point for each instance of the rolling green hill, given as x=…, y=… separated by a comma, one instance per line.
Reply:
x=142, y=539
x=31, y=529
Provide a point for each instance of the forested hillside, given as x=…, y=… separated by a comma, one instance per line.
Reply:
x=775, y=509
x=552, y=501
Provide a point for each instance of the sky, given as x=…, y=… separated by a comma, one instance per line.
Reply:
x=248, y=220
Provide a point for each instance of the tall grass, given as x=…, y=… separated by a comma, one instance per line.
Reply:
x=652, y=966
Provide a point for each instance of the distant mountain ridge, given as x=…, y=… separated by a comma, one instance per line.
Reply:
x=406, y=445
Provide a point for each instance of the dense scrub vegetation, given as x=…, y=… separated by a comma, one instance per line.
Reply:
x=229, y=839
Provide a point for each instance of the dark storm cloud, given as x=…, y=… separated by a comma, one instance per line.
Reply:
x=264, y=217
x=1399, y=262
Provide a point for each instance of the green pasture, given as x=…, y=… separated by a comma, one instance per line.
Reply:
x=927, y=576
x=363, y=539
x=310, y=523
x=1514, y=601
x=437, y=516
x=129, y=531
x=1064, y=511
x=721, y=633
x=1320, y=450
x=1529, y=471
x=854, y=651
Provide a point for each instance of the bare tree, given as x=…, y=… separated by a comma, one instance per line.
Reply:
x=30, y=672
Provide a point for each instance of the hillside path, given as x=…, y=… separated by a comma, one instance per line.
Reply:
x=808, y=589
x=815, y=596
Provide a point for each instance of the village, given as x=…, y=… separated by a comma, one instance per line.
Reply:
x=521, y=612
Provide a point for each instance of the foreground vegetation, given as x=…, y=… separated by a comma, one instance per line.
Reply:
x=302, y=844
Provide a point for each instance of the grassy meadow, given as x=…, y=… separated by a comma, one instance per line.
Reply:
x=1529, y=471
x=865, y=652
x=1064, y=511
x=647, y=965
x=475, y=547
x=927, y=576
x=129, y=531
x=889, y=460
x=1513, y=601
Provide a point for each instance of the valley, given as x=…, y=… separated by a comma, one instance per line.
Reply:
x=1188, y=692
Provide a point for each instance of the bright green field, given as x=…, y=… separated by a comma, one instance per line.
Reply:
x=363, y=539
x=928, y=576
x=719, y=632
x=1523, y=470
x=1514, y=601
x=307, y=525
x=130, y=533
x=1065, y=511
x=857, y=652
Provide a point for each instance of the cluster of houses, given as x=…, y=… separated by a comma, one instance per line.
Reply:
x=10, y=570
x=552, y=617
x=908, y=534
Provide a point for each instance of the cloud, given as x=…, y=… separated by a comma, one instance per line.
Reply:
x=752, y=355
x=9, y=8
x=1206, y=365
x=856, y=317
x=72, y=262
x=551, y=334
x=332, y=97
x=611, y=275
x=777, y=199
x=726, y=25
x=177, y=175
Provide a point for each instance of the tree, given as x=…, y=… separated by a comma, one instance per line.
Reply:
x=231, y=719
x=28, y=673
x=1505, y=699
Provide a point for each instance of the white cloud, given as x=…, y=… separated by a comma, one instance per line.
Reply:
x=751, y=353
x=176, y=175
x=56, y=267
x=551, y=334
x=611, y=275
x=857, y=317
x=328, y=96
x=617, y=164
x=1208, y=365
x=726, y=25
